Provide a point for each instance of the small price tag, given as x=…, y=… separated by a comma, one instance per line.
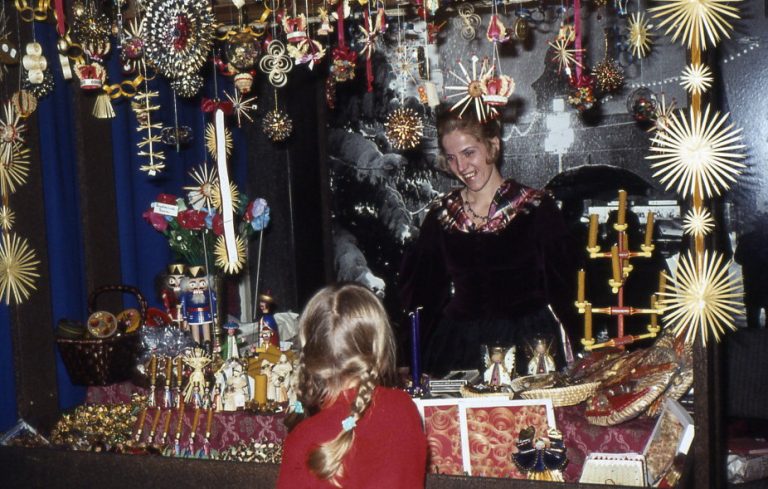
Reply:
x=165, y=209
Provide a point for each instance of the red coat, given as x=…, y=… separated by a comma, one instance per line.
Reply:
x=389, y=450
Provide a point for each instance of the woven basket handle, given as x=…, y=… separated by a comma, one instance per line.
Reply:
x=128, y=289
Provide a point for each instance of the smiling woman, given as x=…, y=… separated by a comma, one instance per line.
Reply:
x=493, y=259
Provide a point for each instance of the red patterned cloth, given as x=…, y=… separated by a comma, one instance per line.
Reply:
x=228, y=429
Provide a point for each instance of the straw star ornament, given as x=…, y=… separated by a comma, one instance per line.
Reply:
x=7, y=218
x=698, y=222
x=14, y=171
x=11, y=132
x=564, y=55
x=201, y=195
x=210, y=141
x=472, y=90
x=698, y=151
x=18, y=269
x=696, y=20
x=639, y=35
x=663, y=115
x=701, y=301
x=696, y=78
x=222, y=259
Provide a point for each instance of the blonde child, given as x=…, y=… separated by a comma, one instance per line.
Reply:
x=359, y=433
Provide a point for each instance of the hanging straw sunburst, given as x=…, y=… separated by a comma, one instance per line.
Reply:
x=639, y=35
x=15, y=170
x=210, y=140
x=201, y=195
x=696, y=78
x=11, y=132
x=222, y=261
x=663, y=114
x=472, y=90
x=7, y=218
x=216, y=195
x=564, y=55
x=242, y=106
x=18, y=269
x=703, y=19
x=702, y=301
x=702, y=153
x=698, y=222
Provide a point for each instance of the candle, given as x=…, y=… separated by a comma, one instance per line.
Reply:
x=592, y=243
x=581, y=280
x=415, y=353
x=622, y=217
x=209, y=423
x=654, y=319
x=261, y=389
x=615, y=264
x=649, y=229
x=195, y=422
x=662, y=282
x=166, y=425
x=180, y=421
x=152, y=369
x=179, y=371
x=153, y=430
x=140, y=425
x=588, y=322
x=168, y=370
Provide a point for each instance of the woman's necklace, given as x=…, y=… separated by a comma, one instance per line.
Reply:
x=471, y=211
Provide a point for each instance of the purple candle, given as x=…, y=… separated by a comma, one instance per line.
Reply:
x=415, y=349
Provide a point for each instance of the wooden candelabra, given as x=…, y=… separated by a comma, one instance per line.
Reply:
x=620, y=256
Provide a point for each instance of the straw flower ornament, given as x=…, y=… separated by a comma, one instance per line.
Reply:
x=18, y=269
x=696, y=78
x=7, y=218
x=701, y=301
x=698, y=151
x=639, y=35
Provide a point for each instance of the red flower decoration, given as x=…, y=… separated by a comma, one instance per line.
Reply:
x=156, y=220
x=192, y=219
x=218, y=225
x=167, y=199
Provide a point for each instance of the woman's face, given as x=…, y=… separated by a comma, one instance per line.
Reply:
x=469, y=159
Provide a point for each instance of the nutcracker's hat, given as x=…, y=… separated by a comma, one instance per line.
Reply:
x=196, y=271
x=266, y=296
x=176, y=269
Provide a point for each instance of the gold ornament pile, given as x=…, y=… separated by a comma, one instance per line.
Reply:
x=252, y=452
x=97, y=427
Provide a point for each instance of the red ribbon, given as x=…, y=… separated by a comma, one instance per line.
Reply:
x=340, y=24
x=369, y=58
x=209, y=105
x=577, y=31
x=60, y=17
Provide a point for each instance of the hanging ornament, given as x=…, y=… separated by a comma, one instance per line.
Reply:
x=132, y=48
x=24, y=103
x=34, y=63
x=18, y=269
x=187, y=86
x=639, y=36
x=14, y=170
x=663, y=114
x=404, y=128
x=200, y=195
x=277, y=125
x=700, y=19
x=582, y=98
x=308, y=52
x=91, y=30
x=696, y=78
x=641, y=104
x=521, y=29
x=326, y=28
x=7, y=218
x=143, y=106
x=472, y=90
x=702, y=298
x=276, y=64
x=564, y=55
x=243, y=82
x=295, y=28
x=698, y=222
x=697, y=152
x=178, y=34
x=242, y=106
x=468, y=21
x=243, y=49
x=177, y=136
x=91, y=75
x=11, y=132
x=343, y=59
x=496, y=31
x=211, y=142
x=497, y=89
x=223, y=261
x=39, y=90
x=609, y=76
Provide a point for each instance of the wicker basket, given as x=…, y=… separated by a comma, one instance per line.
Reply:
x=563, y=396
x=102, y=361
x=467, y=391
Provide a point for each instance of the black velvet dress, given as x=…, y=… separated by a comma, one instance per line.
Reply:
x=493, y=284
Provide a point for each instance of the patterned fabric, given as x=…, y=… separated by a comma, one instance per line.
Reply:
x=228, y=428
x=511, y=198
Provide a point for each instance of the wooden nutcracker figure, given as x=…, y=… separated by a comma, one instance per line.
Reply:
x=171, y=292
x=198, y=306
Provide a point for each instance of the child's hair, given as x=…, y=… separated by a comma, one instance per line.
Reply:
x=346, y=338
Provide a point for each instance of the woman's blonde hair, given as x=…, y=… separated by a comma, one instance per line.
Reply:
x=449, y=121
x=346, y=338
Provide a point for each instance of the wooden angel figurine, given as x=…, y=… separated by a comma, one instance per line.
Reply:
x=541, y=361
x=499, y=366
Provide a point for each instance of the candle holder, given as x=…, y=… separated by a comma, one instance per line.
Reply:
x=620, y=255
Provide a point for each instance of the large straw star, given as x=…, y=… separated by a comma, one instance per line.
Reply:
x=696, y=19
x=18, y=269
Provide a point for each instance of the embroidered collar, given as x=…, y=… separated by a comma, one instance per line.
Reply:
x=510, y=199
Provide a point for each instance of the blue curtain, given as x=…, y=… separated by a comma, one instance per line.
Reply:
x=144, y=253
